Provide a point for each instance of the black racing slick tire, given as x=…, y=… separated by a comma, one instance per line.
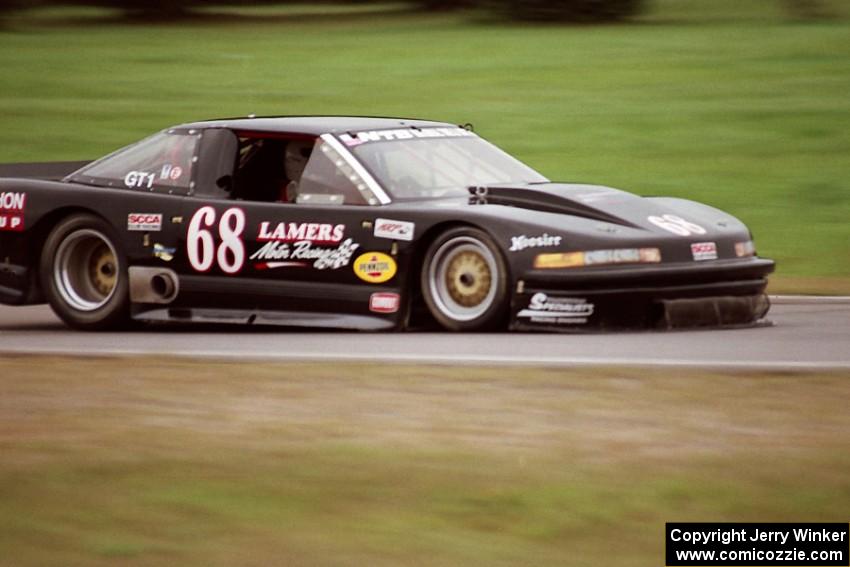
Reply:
x=465, y=281
x=83, y=273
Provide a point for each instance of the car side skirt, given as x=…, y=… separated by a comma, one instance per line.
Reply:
x=273, y=302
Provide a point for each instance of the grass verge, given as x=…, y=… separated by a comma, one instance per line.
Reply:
x=161, y=462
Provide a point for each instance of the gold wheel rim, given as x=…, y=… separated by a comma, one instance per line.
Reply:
x=103, y=270
x=468, y=279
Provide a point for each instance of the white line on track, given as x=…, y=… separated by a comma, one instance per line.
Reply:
x=466, y=360
x=809, y=299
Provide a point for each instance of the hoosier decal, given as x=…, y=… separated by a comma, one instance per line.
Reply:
x=12, y=211
x=544, y=240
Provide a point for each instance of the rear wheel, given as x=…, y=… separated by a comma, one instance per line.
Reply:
x=464, y=281
x=84, y=273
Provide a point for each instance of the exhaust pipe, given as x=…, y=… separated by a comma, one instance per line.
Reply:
x=164, y=286
x=153, y=285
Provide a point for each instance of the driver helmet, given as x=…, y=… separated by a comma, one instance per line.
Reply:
x=295, y=158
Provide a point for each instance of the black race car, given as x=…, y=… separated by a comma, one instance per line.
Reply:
x=362, y=223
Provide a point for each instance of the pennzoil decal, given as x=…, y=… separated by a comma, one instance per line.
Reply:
x=375, y=267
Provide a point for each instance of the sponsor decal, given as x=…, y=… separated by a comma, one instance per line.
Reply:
x=544, y=240
x=393, y=229
x=375, y=267
x=12, y=205
x=144, y=222
x=276, y=254
x=562, y=260
x=357, y=138
x=316, y=233
x=598, y=258
x=171, y=172
x=622, y=256
x=163, y=252
x=676, y=225
x=139, y=179
x=704, y=251
x=384, y=302
x=302, y=244
x=557, y=310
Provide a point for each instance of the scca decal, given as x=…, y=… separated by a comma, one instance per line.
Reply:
x=375, y=267
x=704, y=251
x=144, y=222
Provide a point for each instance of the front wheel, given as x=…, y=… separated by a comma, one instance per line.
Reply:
x=84, y=273
x=464, y=281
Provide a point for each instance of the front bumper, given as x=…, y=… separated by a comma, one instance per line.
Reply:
x=713, y=294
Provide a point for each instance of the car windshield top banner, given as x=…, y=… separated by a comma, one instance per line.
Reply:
x=357, y=138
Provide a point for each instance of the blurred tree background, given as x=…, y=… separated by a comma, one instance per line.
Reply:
x=574, y=11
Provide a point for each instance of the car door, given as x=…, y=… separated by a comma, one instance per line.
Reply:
x=297, y=253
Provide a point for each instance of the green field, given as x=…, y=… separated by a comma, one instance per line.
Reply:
x=736, y=104
x=141, y=462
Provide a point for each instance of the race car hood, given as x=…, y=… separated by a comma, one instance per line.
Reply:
x=605, y=204
x=588, y=201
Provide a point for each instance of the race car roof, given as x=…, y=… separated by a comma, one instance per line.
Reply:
x=315, y=125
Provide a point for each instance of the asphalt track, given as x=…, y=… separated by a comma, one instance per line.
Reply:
x=806, y=334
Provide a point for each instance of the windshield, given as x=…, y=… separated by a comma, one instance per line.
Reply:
x=435, y=162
